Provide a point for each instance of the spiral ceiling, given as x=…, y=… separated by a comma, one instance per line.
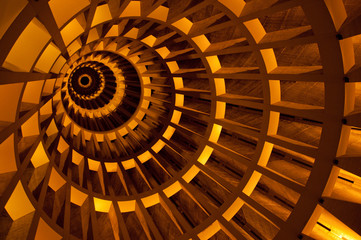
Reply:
x=169, y=119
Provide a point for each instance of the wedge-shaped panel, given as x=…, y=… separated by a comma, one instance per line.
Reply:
x=18, y=204
x=39, y=158
x=71, y=31
x=58, y=65
x=102, y=14
x=63, y=10
x=7, y=153
x=9, y=99
x=30, y=43
x=48, y=58
x=31, y=126
x=44, y=231
x=8, y=12
x=32, y=92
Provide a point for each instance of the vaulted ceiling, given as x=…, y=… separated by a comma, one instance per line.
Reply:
x=168, y=119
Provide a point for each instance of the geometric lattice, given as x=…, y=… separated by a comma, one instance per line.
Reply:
x=168, y=119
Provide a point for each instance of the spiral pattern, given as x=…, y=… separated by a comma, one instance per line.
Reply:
x=167, y=119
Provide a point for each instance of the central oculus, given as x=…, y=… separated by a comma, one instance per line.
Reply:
x=105, y=92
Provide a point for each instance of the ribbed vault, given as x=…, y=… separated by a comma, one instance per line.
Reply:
x=168, y=119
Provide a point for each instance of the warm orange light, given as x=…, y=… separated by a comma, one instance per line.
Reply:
x=160, y=13
x=132, y=10
x=74, y=46
x=215, y=133
x=172, y=189
x=39, y=157
x=18, y=204
x=93, y=164
x=190, y=174
x=233, y=209
x=144, y=156
x=63, y=10
x=77, y=197
x=133, y=33
x=163, y=52
x=48, y=58
x=71, y=31
x=184, y=25
x=9, y=97
x=256, y=29
x=27, y=45
x=214, y=63
x=102, y=205
x=127, y=206
x=150, y=40
x=150, y=200
x=111, y=167
x=202, y=42
x=128, y=164
x=45, y=232
x=236, y=6
x=179, y=99
x=9, y=11
x=173, y=66
x=62, y=146
x=7, y=152
x=209, y=231
x=102, y=14
x=58, y=65
x=56, y=181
